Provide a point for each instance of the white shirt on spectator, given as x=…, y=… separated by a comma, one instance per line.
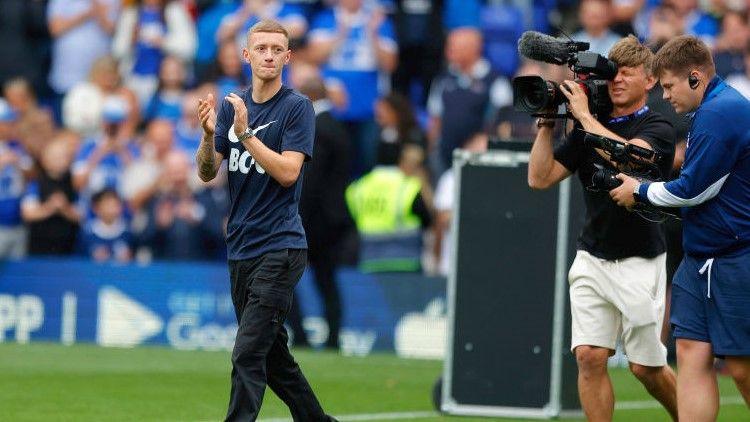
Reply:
x=74, y=51
x=444, y=202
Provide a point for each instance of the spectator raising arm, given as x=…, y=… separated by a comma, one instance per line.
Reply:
x=98, y=11
x=385, y=50
x=59, y=25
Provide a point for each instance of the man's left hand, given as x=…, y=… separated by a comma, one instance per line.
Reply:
x=623, y=194
x=240, y=113
x=578, y=102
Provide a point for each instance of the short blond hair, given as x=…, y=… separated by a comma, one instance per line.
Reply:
x=629, y=52
x=682, y=54
x=268, y=25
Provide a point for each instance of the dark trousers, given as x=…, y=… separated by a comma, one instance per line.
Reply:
x=323, y=262
x=262, y=290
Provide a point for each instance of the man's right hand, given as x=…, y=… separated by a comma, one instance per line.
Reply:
x=207, y=115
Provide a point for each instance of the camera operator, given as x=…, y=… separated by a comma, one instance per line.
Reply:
x=617, y=281
x=710, y=299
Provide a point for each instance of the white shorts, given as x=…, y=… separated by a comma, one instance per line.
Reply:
x=617, y=299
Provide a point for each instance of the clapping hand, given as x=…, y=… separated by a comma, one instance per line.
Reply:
x=207, y=115
x=376, y=19
x=240, y=113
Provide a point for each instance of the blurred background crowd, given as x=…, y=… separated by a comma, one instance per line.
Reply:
x=98, y=124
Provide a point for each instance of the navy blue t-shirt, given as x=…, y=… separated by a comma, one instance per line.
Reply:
x=263, y=215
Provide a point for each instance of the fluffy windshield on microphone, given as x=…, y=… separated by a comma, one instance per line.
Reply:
x=537, y=46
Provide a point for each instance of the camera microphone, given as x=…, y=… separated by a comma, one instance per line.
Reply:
x=544, y=48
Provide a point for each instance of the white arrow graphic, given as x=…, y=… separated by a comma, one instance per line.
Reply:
x=123, y=322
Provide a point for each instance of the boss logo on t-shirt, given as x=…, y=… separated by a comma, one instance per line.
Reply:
x=239, y=161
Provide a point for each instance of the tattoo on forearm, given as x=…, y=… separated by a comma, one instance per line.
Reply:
x=206, y=159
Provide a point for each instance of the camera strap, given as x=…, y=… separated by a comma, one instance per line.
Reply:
x=630, y=116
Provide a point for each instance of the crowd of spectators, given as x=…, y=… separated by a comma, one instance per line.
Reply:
x=98, y=123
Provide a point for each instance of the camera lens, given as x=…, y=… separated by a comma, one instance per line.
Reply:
x=604, y=179
x=532, y=94
x=535, y=99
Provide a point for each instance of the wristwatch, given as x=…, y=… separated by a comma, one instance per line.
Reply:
x=542, y=122
x=248, y=133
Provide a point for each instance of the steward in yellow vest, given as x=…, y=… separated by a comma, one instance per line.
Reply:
x=389, y=213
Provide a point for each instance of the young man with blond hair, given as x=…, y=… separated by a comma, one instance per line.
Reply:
x=617, y=280
x=266, y=135
x=711, y=288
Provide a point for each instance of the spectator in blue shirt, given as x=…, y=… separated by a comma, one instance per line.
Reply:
x=166, y=103
x=356, y=45
x=13, y=163
x=234, y=26
x=101, y=161
x=148, y=32
x=106, y=236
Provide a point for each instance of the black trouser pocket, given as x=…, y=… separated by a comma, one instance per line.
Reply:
x=272, y=298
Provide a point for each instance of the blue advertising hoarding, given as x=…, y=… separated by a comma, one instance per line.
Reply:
x=188, y=306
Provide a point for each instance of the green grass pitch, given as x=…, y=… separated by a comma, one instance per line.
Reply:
x=43, y=382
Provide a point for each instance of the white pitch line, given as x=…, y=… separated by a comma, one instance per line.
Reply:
x=623, y=405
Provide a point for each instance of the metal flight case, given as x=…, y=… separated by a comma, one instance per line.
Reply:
x=508, y=319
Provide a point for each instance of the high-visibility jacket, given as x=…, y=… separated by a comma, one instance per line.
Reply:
x=381, y=204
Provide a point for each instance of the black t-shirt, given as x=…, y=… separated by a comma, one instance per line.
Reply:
x=55, y=235
x=612, y=232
